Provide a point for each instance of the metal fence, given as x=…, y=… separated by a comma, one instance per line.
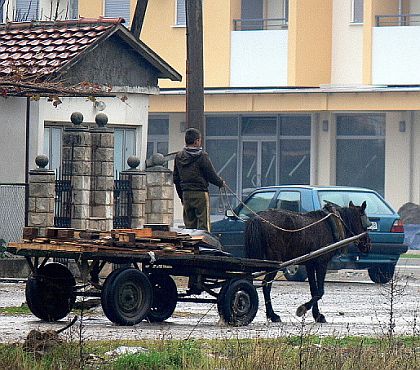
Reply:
x=123, y=201
x=260, y=24
x=397, y=20
x=12, y=211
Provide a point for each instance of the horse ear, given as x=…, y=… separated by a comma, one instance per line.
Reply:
x=351, y=204
x=363, y=206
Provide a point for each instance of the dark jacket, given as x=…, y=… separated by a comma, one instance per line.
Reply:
x=193, y=171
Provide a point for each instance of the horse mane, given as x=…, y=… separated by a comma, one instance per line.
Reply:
x=255, y=241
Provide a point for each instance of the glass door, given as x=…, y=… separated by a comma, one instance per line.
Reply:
x=258, y=164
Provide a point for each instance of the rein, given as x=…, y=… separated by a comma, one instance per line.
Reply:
x=268, y=222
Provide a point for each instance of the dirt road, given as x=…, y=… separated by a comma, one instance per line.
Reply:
x=352, y=305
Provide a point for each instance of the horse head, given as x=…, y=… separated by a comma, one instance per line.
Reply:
x=358, y=223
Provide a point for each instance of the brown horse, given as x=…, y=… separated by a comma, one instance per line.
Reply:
x=271, y=235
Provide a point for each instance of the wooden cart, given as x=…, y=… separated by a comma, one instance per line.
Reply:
x=143, y=288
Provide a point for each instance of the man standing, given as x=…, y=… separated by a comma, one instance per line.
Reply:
x=193, y=172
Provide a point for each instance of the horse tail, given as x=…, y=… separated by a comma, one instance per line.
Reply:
x=255, y=242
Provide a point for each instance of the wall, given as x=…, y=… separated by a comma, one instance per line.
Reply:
x=415, y=154
x=393, y=61
x=12, y=140
x=309, y=50
x=132, y=112
x=347, y=46
x=259, y=58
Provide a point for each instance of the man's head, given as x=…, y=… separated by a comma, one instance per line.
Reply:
x=193, y=137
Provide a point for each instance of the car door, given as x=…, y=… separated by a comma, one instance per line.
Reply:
x=230, y=230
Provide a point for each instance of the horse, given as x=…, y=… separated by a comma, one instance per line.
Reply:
x=282, y=235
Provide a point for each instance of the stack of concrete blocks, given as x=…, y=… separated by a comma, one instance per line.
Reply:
x=102, y=179
x=160, y=192
x=41, y=194
x=138, y=186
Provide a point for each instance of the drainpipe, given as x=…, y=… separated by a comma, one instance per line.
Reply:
x=28, y=114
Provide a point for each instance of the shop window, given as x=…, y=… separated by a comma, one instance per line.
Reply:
x=361, y=151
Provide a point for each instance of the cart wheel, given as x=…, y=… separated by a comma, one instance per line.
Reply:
x=238, y=302
x=128, y=297
x=104, y=293
x=50, y=292
x=165, y=297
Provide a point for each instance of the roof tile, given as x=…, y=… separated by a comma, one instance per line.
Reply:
x=43, y=48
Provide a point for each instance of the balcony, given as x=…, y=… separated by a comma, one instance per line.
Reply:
x=259, y=55
x=396, y=50
x=260, y=24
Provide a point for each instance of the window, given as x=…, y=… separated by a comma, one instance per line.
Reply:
x=26, y=10
x=52, y=146
x=181, y=15
x=124, y=147
x=357, y=11
x=257, y=202
x=158, y=136
x=361, y=151
x=295, y=150
x=289, y=200
x=73, y=9
x=118, y=8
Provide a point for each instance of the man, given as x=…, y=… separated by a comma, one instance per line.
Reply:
x=193, y=172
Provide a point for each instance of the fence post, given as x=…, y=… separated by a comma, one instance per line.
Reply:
x=77, y=144
x=138, y=188
x=41, y=194
x=102, y=184
x=160, y=192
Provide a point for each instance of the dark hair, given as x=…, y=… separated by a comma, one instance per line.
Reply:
x=191, y=135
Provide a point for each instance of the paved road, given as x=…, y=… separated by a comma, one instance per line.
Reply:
x=352, y=305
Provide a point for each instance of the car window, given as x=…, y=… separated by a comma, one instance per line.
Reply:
x=257, y=202
x=289, y=200
x=375, y=205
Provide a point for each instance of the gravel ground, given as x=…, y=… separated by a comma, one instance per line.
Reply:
x=352, y=305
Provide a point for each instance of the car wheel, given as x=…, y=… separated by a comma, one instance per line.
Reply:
x=381, y=274
x=295, y=273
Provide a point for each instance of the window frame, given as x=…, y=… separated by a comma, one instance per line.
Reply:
x=179, y=20
x=354, y=16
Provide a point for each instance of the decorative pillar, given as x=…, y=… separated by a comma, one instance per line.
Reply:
x=102, y=180
x=77, y=163
x=41, y=194
x=138, y=187
x=160, y=192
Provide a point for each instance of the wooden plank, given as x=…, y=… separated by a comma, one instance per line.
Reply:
x=65, y=233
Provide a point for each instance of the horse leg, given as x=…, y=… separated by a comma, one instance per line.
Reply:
x=302, y=309
x=267, y=282
x=320, y=271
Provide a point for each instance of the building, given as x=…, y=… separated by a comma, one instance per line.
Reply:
x=319, y=92
x=99, y=51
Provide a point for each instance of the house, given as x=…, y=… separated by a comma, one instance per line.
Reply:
x=310, y=92
x=100, y=51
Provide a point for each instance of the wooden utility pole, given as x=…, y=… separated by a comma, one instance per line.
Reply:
x=195, y=79
x=138, y=18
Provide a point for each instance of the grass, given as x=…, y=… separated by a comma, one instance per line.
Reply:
x=311, y=352
x=410, y=255
x=16, y=310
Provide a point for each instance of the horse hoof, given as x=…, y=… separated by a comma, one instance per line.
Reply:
x=301, y=310
x=321, y=319
x=275, y=318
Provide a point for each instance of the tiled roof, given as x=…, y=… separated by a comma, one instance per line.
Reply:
x=43, y=48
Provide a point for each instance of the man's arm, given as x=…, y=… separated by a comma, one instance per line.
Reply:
x=177, y=181
x=210, y=173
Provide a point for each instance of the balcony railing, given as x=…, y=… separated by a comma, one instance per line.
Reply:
x=260, y=24
x=397, y=20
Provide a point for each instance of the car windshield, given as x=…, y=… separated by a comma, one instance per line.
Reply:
x=375, y=205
